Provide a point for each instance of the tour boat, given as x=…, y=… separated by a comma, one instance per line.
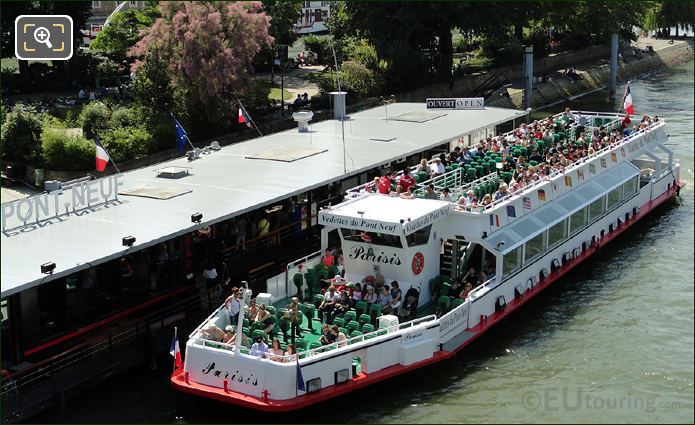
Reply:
x=525, y=240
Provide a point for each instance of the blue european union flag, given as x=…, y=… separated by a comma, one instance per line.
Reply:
x=181, y=135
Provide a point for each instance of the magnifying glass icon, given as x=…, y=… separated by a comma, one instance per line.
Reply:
x=41, y=35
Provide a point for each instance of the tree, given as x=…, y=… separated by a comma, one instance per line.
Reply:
x=283, y=16
x=21, y=135
x=123, y=32
x=205, y=51
x=666, y=14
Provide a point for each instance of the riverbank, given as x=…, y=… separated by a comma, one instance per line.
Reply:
x=596, y=75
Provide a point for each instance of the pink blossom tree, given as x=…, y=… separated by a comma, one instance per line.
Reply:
x=207, y=49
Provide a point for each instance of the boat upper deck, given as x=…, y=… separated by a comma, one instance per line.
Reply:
x=220, y=186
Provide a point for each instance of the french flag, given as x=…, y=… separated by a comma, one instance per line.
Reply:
x=244, y=117
x=175, y=351
x=627, y=102
x=103, y=157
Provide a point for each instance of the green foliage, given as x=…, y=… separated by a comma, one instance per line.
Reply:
x=127, y=117
x=21, y=134
x=95, y=116
x=124, y=143
x=123, y=32
x=283, y=16
x=355, y=78
x=320, y=46
x=366, y=54
x=62, y=150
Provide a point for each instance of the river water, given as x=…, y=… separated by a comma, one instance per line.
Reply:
x=613, y=342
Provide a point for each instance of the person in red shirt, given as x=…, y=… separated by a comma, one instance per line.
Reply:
x=406, y=180
x=328, y=259
x=385, y=183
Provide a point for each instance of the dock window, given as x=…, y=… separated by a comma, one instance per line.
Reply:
x=420, y=237
x=534, y=247
x=511, y=262
x=596, y=209
x=577, y=221
x=630, y=186
x=557, y=233
x=614, y=197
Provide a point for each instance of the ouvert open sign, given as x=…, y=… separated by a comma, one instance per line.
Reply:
x=49, y=205
x=456, y=103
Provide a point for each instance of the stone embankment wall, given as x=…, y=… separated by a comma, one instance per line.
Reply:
x=597, y=77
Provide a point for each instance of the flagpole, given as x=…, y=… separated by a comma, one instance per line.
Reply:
x=176, y=341
x=107, y=153
x=252, y=122
x=186, y=133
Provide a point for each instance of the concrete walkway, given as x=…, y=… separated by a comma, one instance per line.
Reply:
x=293, y=81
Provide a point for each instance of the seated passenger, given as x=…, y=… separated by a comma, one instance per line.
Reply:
x=342, y=306
x=327, y=337
x=370, y=297
x=213, y=333
x=330, y=298
x=454, y=291
x=265, y=318
x=501, y=192
x=423, y=166
x=275, y=352
x=228, y=334
x=446, y=196
x=385, y=184
x=356, y=294
x=430, y=193
x=290, y=353
x=259, y=348
x=406, y=180
x=466, y=290
x=384, y=300
x=244, y=340
x=328, y=259
x=252, y=310
x=471, y=277
x=409, y=194
x=487, y=200
x=340, y=337
x=395, y=297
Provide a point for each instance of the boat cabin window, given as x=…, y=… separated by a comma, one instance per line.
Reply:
x=578, y=221
x=557, y=233
x=371, y=238
x=511, y=262
x=630, y=186
x=534, y=247
x=596, y=209
x=614, y=197
x=420, y=237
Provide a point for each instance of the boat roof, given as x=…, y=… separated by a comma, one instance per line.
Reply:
x=385, y=214
x=548, y=215
x=227, y=183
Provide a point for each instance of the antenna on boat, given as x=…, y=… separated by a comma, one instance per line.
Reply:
x=342, y=117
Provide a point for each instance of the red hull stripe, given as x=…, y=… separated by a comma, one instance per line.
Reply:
x=362, y=380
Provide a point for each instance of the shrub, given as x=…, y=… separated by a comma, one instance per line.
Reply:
x=21, y=135
x=124, y=143
x=95, y=116
x=63, y=150
x=366, y=54
x=355, y=78
x=127, y=117
x=319, y=46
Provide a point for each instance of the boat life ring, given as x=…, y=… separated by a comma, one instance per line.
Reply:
x=418, y=263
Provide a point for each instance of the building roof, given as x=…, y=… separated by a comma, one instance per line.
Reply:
x=225, y=184
x=385, y=214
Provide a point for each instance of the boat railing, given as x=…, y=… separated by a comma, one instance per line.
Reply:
x=454, y=180
x=475, y=291
x=318, y=350
x=556, y=173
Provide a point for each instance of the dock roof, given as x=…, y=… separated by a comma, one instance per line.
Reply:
x=227, y=183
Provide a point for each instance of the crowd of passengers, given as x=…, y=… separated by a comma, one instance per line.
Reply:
x=339, y=296
x=544, y=161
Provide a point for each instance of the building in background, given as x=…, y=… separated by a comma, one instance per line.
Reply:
x=314, y=17
x=101, y=10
